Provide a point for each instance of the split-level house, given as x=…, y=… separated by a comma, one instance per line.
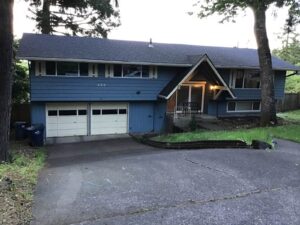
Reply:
x=90, y=86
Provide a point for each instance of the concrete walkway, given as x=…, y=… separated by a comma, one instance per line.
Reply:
x=123, y=182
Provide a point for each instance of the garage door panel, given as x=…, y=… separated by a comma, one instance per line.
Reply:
x=63, y=119
x=109, y=118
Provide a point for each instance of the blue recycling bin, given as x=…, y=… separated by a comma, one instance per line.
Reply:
x=19, y=130
x=36, y=135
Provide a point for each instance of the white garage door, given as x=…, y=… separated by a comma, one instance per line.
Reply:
x=66, y=120
x=109, y=118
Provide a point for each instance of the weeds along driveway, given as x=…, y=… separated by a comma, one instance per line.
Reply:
x=124, y=182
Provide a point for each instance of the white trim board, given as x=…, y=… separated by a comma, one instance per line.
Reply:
x=204, y=58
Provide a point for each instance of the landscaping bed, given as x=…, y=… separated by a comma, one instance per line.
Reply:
x=17, y=182
x=288, y=128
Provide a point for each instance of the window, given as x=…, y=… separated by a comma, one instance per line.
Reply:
x=67, y=112
x=117, y=70
x=244, y=106
x=132, y=71
x=96, y=111
x=67, y=69
x=109, y=111
x=82, y=112
x=84, y=69
x=52, y=112
x=51, y=68
x=252, y=79
x=245, y=79
x=122, y=111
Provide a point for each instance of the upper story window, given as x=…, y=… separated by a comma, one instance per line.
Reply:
x=130, y=71
x=245, y=79
x=72, y=69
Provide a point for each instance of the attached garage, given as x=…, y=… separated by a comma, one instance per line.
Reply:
x=66, y=120
x=109, y=118
x=77, y=119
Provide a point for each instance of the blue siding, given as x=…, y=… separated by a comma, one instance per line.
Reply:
x=46, y=88
x=38, y=113
x=141, y=117
x=252, y=94
x=160, y=116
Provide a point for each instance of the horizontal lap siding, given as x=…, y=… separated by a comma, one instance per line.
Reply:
x=252, y=94
x=45, y=88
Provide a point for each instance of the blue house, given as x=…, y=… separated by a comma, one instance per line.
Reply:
x=90, y=86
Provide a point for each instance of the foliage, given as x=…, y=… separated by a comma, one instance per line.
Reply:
x=17, y=181
x=85, y=17
x=292, y=84
x=20, y=86
x=193, y=123
x=292, y=116
x=290, y=131
x=290, y=52
x=229, y=10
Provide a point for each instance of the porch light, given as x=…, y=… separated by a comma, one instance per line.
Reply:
x=212, y=87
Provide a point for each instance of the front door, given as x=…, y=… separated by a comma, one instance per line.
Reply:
x=190, y=97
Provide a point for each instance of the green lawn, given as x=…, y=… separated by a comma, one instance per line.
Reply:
x=17, y=182
x=290, y=131
x=291, y=116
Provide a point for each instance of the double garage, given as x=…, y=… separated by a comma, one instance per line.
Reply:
x=74, y=119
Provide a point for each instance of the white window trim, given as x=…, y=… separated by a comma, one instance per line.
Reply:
x=110, y=72
x=232, y=80
x=43, y=72
x=243, y=111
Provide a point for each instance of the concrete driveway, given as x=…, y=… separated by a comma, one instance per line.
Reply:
x=123, y=182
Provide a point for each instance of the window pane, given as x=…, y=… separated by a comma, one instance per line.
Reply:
x=122, y=111
x=243, y=106
x=256, y=105
x=67, y=112
x=231, y=106
x=67, y=69
x=81, y=112
x=50, y=68
x=84, y=69
x=52, y=113
x=252, y=79
x=96, y=111
x=117, y=70
x=109, y=111
x=145, y=71
x=132, y=71
x=239, y=79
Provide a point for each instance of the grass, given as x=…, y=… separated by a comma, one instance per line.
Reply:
x=289, y=131
x=17, y=182
x=291, y=116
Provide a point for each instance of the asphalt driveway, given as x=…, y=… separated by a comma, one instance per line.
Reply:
x=123, y=182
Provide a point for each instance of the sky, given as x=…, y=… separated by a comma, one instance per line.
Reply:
x=168, y=21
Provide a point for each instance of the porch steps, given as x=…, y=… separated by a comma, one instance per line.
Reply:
x=203, y=121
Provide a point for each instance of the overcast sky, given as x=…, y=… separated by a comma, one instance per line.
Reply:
x=168, y=21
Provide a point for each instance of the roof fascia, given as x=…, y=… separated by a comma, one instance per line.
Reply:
x=102, y=61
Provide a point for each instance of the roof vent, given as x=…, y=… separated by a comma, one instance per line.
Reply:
x=150, y=44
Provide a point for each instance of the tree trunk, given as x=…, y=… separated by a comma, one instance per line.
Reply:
x=6, y=57
x=46, y=18
x=268, y=106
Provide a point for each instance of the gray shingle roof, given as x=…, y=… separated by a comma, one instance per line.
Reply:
x=42, y=46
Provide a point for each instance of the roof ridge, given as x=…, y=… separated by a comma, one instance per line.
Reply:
x=136, y=41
